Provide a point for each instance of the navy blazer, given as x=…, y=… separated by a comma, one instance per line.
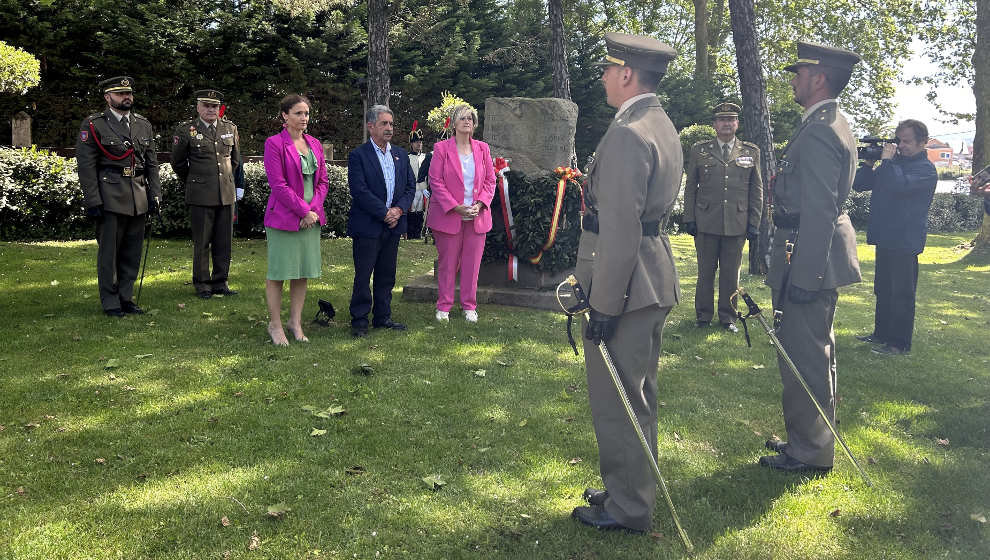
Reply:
x=367, y=186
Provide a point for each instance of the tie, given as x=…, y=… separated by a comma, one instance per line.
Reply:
x=123, y=121
x=725, y=152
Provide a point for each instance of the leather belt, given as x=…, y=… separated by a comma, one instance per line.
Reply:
x=124, y=171
x=786, y=221
x=589, y=222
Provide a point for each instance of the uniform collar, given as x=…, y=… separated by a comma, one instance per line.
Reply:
x=817, y=106
x=119, y=116
x=629, y=102
x=731, y=144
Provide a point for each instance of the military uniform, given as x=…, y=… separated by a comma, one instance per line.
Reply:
x=626, y=267
x=813, y=254
x=723, y=197
x=417, y=210
x=118, y=173
x=205, y=159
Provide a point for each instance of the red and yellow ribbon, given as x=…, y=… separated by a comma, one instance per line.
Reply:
x=566, y=174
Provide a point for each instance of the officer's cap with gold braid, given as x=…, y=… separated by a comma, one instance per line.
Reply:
x=637, y=51
x=119, y=84
x=208, y=96
x=823, y=55
x=726, y=110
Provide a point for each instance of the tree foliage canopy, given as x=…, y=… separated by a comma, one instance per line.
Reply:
x=19, y=71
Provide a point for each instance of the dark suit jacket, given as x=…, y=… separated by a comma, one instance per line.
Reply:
x=368, y=195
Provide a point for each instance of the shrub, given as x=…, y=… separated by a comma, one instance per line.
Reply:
x=40, y=196
x=19, y=71
x=948, y=213
x=691, y=135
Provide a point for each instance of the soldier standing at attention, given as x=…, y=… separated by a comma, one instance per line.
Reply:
x=813, y=253
x=626, y=268
x=205, y=155
x=723, y=203
x=118, y=173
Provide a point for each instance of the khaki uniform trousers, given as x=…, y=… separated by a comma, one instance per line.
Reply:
x=717, y=252
x=625, y=470
x=806, y=335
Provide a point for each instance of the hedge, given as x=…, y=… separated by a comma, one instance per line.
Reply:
x=40, y=199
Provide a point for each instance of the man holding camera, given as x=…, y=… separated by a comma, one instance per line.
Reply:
x=723, y=203
x=903, y=186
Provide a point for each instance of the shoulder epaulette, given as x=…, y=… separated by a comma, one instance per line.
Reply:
x=142, y=117
x=750, y=144
x=700, y=142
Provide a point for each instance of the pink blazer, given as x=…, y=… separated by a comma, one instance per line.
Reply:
x=286, y=205
x=447, y=186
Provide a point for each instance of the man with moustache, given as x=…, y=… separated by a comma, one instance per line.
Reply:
x=205, y=156
x=813, y=254
x=118, y=173
x=723, y=203
x=382, y=187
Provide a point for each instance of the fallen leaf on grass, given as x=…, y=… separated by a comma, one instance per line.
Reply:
x=525, y=516
x=575, y=460
x=523, y=422
x=31, y=425
x=943, y=442
x=112, y=377
x=207, y=314
x=183, y=306
x=434, y=482
x=759, y=366
x=318, y=432
x=677, y=436
x=331, y=411
x=254, y=542
x=943, y=322
x=697, y=357
x=76, y=337
x=2, y=427
x=835, y=513
x=143, y=356
x=479, y=373
x=355, y=470
x=225, y=555
x=100, y=461
x=501, y=363
x=239, y=394
x=20, y=491
x=128, y=388
x=224, y=521
x=978, y=517
x=111, y=363
x=278, y=511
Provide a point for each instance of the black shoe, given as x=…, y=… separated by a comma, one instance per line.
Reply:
x=785, y=462
x=776, y=445
x=113, y=312
x=204, y=294
x=224, y=292
x=131, y=308
x=703, y=324
x=597, y=517
x=390, y=324
x=869, y=338
x=731, y=327
x=358, y=332
x=890, y=350
x=595, y=496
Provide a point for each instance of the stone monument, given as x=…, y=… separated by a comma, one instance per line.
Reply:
x=536, y=135
x=20, y=130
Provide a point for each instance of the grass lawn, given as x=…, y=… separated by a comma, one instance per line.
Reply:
x=171, y=435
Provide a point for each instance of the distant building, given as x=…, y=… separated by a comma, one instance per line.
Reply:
x=939, y=153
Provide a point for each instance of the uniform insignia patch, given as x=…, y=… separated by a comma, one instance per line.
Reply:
x=192, y=131
x=784, y=165
x=84, y=135
x=175, y=140
x=228, y=135
x=744, y=161
x=199, y=137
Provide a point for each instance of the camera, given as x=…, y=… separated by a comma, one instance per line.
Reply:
x=874, y=147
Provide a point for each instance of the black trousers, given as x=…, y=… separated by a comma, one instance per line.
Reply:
x=118, y=258
x=373, y=256
x=212, y=231
x=895, y=285
x=415, y=225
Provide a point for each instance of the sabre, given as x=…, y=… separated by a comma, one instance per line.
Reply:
x=583, y=307
x=755, y=311
x=144, y=266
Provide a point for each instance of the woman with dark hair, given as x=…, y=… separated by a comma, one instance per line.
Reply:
x=297, y=176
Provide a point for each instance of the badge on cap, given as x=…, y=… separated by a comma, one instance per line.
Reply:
x=125, y=82
x=83, y=135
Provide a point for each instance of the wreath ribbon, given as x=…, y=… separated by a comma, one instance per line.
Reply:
x=501, y=168
x=566, y=174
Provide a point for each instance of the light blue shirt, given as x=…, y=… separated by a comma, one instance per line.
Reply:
x=467, y=172
x=388, y=170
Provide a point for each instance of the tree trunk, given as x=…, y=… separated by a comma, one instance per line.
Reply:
x=981, y=90
x=558, y=51
x=756, y=116
x=700, y=41
x=378, y=78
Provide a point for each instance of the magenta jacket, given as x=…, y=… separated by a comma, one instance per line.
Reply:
x=447, y=186
x=286, y=205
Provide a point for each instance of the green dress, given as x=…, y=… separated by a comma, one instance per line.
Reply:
x=296, y=254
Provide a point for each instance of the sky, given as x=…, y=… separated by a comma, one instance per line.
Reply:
x=911, y=102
